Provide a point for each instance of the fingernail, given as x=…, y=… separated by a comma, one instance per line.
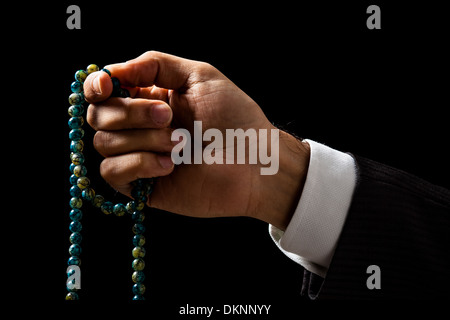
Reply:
x=96, y=85
x=161, y=113
x=165, y=161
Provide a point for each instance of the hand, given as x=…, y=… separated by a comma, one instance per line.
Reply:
x=168, y=92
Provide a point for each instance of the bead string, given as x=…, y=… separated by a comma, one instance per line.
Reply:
x=81, y=190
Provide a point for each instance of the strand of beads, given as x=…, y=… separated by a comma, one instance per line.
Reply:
x=81, y=191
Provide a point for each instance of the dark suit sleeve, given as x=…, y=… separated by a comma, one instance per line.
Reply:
x=398, y=222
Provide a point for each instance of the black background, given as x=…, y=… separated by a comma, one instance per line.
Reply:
x=314, y=68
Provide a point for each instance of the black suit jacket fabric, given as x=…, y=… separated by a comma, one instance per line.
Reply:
x=399, y=223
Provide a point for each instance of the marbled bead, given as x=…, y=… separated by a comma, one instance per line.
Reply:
x=119, y=209
x=138, y=264
x=83, y=182
x=76, y=134
x=76, y=98
x=74, y=261
x=77, y=146
x=107, y=71
x=77, y=158
x=138, y=252
x=75, y=191
x=98, y=201
x=137, y=192
x=139, y=288
x=107, y=207
x=76, y=110
x=81, y=75
x=135, y=206
x=75, y=238
x=138, y=297
x=139, y=240
x=138, y=228
x=75, y=250
x=72, y=296
x=75, y=122
x=76, y=203
x=92, y=68
x=138, y=216
x=124, y=93
x=116, y=86
x=75, y=226
x=73, y=180
x=138, y=276
x=88, y=194
x=79, y=170
x=76, y=214
x=76, y=86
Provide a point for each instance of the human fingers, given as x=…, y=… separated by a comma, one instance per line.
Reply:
x=111, y=143
x=119, y=171
x=153, y=68
x=120, y=114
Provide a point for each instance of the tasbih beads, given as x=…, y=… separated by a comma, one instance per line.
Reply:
x=82, y=191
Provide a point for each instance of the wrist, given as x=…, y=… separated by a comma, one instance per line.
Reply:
x=278, y=194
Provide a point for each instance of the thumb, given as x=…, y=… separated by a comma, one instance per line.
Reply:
x=97, y=87
x=154, y=68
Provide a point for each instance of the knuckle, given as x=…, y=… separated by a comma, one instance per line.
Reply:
x=92, y=116
x=102, y=142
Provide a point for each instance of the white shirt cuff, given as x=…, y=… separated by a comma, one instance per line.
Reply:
x=313, y=232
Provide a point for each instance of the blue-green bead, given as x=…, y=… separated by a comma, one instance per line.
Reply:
x=92, y=68
x=75, y=226
x=137, y=192
x=107, y=207
x=76, y=110
x=71, y=167
x=138, y=228
x=88, y=194
x=72, y=296
x=75, y=122
x=139, y=240
x=98, y=201
x=75, y=250
x=107, y=71
x=124, y=93
x=116, y=86
x=77, y=146
x=75, y=238
x=135, y=206
x=76, y=203
x=76, y=134
x=138, y=264
x=76, y=214
x=138, y=297
x=83, y=182
x=138, y=276
x=76, y=86
x=138, y=216
x=79, y=170
x=119, y=209
x=75, y=191
x=138, y=252
x=73, y=180
x=77, y=158
x=76, y=98
x=81, y=75
x=74, y=261
x=139, y=288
